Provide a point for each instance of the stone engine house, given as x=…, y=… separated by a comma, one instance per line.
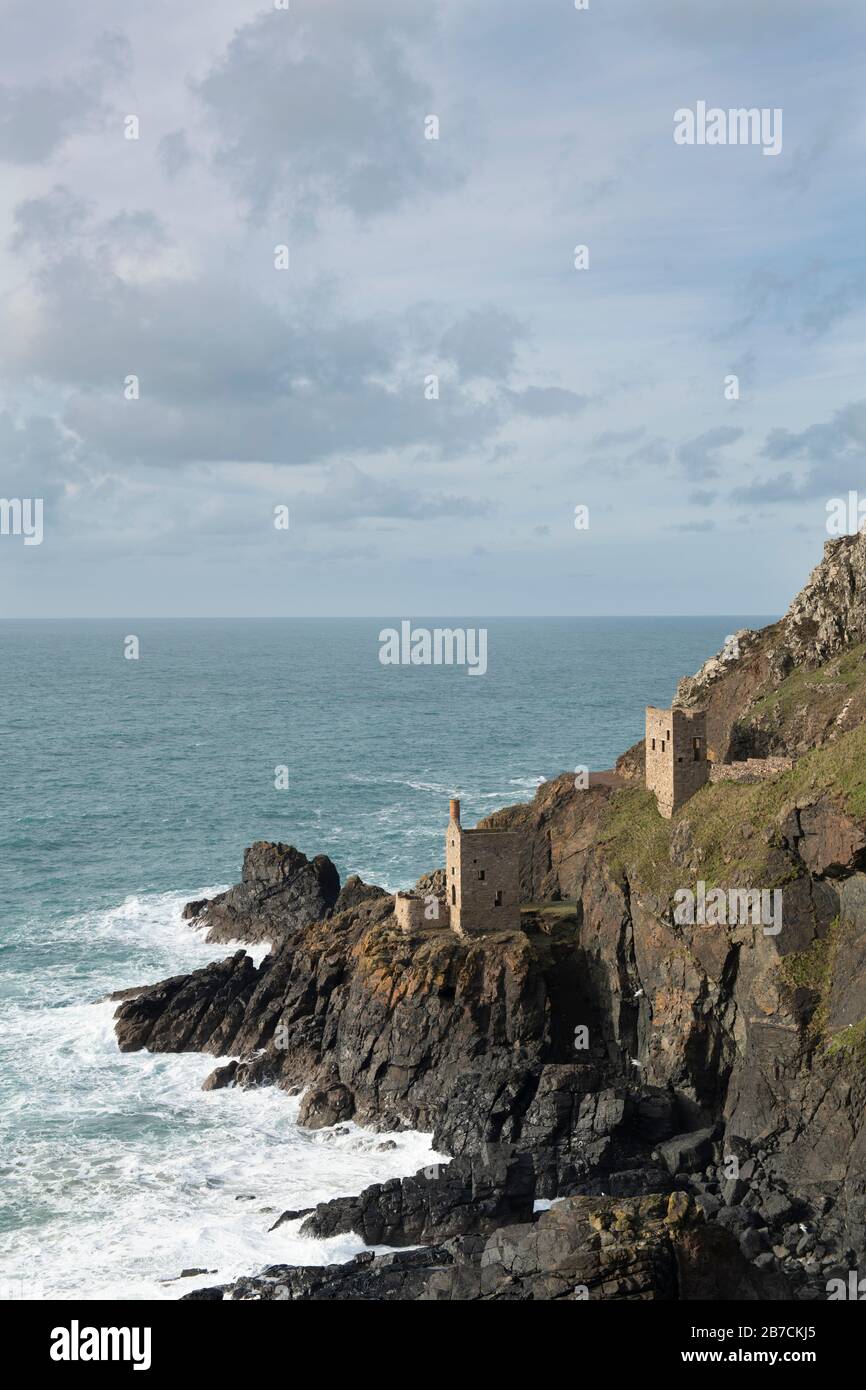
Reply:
x=676, y=756
x=482, y=881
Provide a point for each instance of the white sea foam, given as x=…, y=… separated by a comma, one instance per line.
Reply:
x=118, y=1170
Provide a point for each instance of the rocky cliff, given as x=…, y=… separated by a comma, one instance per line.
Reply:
x=609, y=1050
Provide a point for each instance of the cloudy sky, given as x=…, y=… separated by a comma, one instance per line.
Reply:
x=263, y=387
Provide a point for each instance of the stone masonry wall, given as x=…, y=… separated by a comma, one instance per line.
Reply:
x=482, y=879
x=411, y=913
x=673, y=772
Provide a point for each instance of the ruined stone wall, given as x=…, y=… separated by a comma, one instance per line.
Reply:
x=413, y=913
x=750, y=769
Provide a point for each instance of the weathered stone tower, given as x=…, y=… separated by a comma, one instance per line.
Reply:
x=676, y=755
x=482, y=877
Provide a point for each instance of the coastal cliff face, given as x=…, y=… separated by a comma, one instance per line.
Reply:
x=799, y=682
x=725, y=1058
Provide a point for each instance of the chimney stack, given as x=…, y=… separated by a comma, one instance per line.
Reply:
x=454, y=810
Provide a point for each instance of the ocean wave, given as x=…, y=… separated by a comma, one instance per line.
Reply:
x=123, y=1171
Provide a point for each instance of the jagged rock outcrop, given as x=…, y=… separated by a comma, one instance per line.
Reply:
x=824, y=630
x=470, y=1196
x=581, y=1249
x=280, y=891
x=355, y=891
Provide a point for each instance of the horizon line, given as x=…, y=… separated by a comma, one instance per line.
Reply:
x=352, y=617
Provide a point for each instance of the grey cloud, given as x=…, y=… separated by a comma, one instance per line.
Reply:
x=226, y=376
x=699, y=456
x=783, y=488
x=330, y=112
x=834, y=451
x=650, y=452
x=139, y=230
x=174, y=153
x=52, y=217
x=546, y=401
x=350, y=494
x=35, y=120
x=809, y=303
x=655, y=453
x=483, y=343
x=839, y=439
x=681, y=526
x=57, y=220
x=37, y=457
x=612, y=439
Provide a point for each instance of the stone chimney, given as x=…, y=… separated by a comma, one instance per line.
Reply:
x=454, y=810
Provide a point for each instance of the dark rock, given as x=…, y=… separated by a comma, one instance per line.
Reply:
x=200, y=1012
x=291, y=1215
x=733, y=1191
x=220, y=1077
x=592, y=1248
x=753, y=1243
x=280, y=891
x=323, y=1107
x=687, y=1153
x=735, y=1219
x=355, y=891
x=465, y=1197
x=776, y=1208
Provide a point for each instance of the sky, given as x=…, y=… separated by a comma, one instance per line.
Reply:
x=232, y=264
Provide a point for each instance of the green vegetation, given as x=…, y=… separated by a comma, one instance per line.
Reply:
x=827, y=686
x=850, y=1044
x=813, y=970
x=730, y=824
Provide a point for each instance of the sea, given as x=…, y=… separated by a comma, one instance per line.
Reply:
x=132, y=783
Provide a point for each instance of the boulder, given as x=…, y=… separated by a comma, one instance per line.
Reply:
x=687, y=1153
x=324, y=1106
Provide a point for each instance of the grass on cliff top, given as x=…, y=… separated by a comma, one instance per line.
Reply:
x=728, y=821
x=807, y=686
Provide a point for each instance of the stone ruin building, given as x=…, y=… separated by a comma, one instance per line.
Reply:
x=676, y=756
x=482, y=883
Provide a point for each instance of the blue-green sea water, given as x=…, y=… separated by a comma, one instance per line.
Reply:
x=129, y=786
